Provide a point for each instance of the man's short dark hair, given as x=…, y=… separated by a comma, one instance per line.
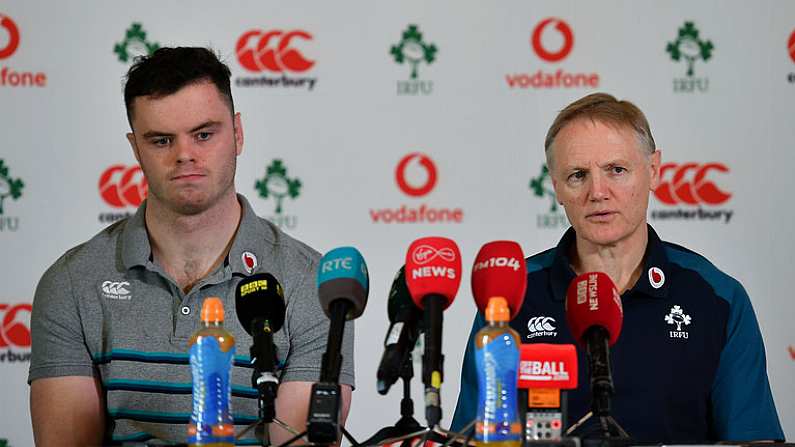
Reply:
x=168, y=70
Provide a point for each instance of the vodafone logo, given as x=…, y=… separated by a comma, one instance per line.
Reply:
x=552, y=41
x=9, y=42
x=123, y=186
x=422, y=162
x=656, y=277
x=249, y=261
x=424, y=254
x=259, y=50
x=541, y=39
x=416, y=176
x=688, y=183
x=15, y=325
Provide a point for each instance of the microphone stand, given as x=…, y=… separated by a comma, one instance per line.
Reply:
x=601, y=388
x=406, y=425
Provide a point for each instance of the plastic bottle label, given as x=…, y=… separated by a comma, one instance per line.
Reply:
x=212, y=416
x=497, y=418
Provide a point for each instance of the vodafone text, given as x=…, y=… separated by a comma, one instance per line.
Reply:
x=558, y=79
x=423, y=214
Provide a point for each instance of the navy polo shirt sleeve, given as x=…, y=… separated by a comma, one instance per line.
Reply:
x=742, y=404
x=465, y=409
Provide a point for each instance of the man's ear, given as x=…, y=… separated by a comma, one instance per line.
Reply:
x=238, y=123
x=133, y=146
x=654, y=166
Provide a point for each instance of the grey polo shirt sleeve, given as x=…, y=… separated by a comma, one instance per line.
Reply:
x=308, y=333
x=58, y=344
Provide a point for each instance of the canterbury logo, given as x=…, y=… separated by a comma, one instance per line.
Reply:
x=15, y=325
x=115, y=289
x=259, y=51
x=425, y=254
x=540, y=324
x=687, y=183
x=121, y=186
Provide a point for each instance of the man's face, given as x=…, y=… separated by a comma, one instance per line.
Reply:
x=603, y=178
x=187, y=144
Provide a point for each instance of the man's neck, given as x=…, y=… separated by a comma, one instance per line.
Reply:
x=189, y=247
x=622, y=261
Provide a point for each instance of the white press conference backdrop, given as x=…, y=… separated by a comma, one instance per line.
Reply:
x=359, y=86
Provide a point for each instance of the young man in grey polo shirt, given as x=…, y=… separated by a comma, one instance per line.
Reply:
x=112, y=317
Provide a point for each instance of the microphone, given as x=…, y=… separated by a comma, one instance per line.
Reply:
x=545, y=372
x=594, y=316
x=343, y=284
x=260, y=308
x=499, y=270
x=404, y=328
x=433, y=274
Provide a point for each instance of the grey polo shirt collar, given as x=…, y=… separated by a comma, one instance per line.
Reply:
x=248, y=251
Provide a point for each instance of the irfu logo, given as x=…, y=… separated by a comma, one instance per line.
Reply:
x=541, y=186
x=134, y=44
x=276, y=184
x=413, y=50
x=9, y=187
x=690, y=47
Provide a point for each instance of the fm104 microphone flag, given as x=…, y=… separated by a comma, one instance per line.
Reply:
x=433, y=275
x=499, y=270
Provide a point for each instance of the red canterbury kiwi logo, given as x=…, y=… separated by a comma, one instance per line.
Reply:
x=259, y=51
x=15, y=325
x=430, y=169
x=689, y=184
x=122, y=186
x=791, y=46
x=564, y=30
x=13, y=36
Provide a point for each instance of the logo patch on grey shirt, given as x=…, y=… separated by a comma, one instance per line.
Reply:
x=116, y=290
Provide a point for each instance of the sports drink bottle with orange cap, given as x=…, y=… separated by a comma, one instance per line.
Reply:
x=497, y=360
x=212, y=352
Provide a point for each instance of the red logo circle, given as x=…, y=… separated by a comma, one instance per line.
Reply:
x=13, y=36
x=430, y=169
x=13, y=331
x=565, y=31
x=791, y=46
x=259, y=51
x=121, y=186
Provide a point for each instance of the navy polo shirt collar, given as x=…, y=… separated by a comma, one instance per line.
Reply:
x=652, y=281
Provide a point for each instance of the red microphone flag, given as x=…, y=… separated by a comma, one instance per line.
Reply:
x=593, y=300
x=544, y=365
x=433, y=267
x=499, y=270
